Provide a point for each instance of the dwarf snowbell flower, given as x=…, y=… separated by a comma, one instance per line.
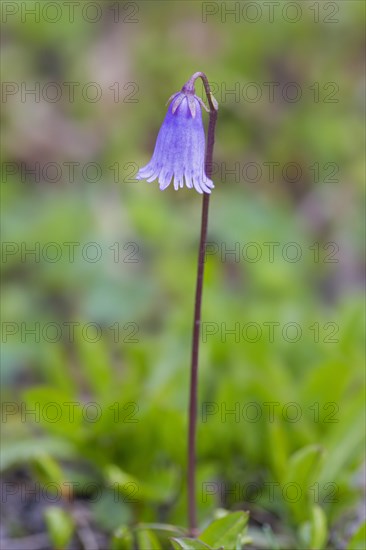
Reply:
x=179, y=153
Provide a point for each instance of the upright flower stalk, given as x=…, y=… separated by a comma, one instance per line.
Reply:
x=191, y=478
x=181, y=156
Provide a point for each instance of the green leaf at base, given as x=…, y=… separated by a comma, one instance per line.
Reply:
x=225, y=531
x=186, y=543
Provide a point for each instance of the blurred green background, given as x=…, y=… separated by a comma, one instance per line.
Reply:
x=113, y=319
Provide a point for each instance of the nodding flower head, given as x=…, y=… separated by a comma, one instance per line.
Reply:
x=179, y=153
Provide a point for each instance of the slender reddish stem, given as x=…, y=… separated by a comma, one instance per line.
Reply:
x=192, y=511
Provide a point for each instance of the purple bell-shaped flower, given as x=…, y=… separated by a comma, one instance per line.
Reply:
x=179, y=153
